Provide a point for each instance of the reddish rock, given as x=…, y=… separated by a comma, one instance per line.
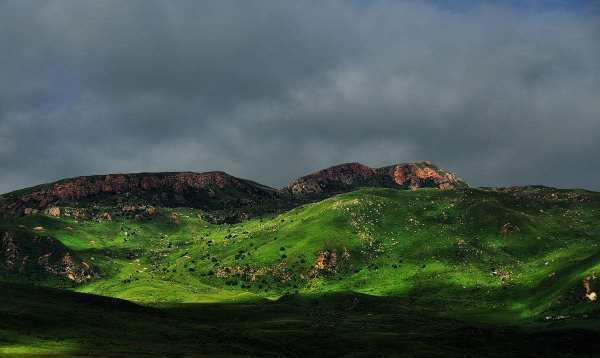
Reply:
x=223, y=197
x=326, y=260
x=53, y=211
x=346, y=177
x=343, y=175
x=200, y=190
x=420, y=175
x=30, y=211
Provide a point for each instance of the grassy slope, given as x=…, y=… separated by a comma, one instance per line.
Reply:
x=436, y=250
x=340, y=325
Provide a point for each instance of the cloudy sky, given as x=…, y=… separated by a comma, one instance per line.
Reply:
x=503, y=93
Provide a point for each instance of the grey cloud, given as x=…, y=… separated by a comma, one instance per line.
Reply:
x=271, y=90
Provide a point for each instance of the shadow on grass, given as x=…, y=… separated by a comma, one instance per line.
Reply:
x=345, y=324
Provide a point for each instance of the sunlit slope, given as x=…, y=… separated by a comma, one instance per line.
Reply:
x=41, y=322
x=525, y=251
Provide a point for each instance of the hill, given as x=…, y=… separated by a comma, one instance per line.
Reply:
x=526, y=250
x=346, y=177
x=482, y=266
x=222, y=196
x=37, y=321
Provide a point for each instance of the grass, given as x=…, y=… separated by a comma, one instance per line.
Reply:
x=341, y=324
x=434, y=263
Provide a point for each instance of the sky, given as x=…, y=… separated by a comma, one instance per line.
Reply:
x=500, y=92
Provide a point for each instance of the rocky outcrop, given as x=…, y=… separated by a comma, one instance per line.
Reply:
x=53, y=211
x=590, y=295
x=222, y=197
x=210, y=191
x=336, y=178
x=419, y=175
x=40, y=256
x=349, y=176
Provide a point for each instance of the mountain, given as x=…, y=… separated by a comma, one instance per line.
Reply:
x=223, y=197
x=349, y=176
x=38, y=256
x=349, y=261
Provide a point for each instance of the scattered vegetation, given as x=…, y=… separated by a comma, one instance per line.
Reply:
x=511, y=258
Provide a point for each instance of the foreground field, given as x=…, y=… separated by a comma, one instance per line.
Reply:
x=371, y=271
x=74, y=324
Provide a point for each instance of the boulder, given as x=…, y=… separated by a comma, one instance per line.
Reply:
x=53, y=211
x=509, y=228
x=30, y=211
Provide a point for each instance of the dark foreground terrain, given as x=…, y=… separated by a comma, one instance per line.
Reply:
x=39, y=321
x=350, y=261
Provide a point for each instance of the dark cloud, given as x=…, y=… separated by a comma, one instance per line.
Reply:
x=271, y=90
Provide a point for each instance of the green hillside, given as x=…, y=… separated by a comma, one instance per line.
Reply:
x=378, y=258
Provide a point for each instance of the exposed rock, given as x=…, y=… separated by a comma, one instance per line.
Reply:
x=328, y=262
x=30, y=211
x=128, y=209
x=80, y=214
x=22, y=253
x=331, y=179
x=420, y=175
x=106, y=216
x=509, y=228
x=221, y=197
x=590, y=295
x=53, y=211
x=38, y=228
x=349, y=176
x=212, y=191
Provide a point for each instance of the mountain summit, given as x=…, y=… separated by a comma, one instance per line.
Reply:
x=348, y=176
x=223, y=196
x=210, y=191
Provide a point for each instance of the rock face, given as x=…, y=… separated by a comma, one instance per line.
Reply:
x=222, y=197
x=210, y=191
x=336, y=178
x=419, y=175
x=41, y=256
x=349, y=176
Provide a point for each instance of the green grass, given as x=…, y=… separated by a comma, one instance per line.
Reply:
x=430, y=253
x=343, y=324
